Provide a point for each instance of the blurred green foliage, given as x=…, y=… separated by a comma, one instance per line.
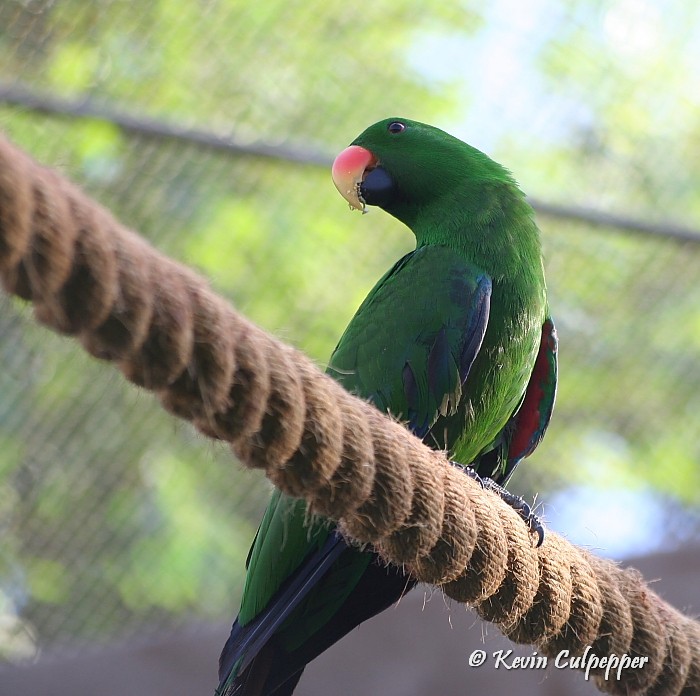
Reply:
x=117, y=520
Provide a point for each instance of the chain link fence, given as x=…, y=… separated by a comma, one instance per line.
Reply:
x=207, y=126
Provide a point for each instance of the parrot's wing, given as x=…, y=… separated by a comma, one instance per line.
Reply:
x=412, y=343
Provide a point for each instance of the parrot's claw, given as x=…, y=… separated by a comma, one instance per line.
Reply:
x=533, y=522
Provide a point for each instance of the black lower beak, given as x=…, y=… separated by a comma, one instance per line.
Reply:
x=377, y=188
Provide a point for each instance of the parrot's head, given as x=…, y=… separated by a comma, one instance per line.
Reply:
x=404, y=166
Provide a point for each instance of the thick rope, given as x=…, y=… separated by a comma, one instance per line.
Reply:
x=168, y=332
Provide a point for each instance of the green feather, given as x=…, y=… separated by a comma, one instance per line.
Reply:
x=284, y=531
x=404, y=348
x=453, y=196
x=433, y=285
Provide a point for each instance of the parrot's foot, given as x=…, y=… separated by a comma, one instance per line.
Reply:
x=533, y=522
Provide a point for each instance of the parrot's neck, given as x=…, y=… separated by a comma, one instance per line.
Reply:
x=496, y=230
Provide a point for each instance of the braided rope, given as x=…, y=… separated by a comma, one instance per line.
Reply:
x=89, y=276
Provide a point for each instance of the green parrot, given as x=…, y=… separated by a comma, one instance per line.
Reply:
x=455, y=339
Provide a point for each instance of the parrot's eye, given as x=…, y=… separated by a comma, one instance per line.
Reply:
x=396, y=127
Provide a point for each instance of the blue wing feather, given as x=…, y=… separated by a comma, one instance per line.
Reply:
x=448, y=363
x=480, y=307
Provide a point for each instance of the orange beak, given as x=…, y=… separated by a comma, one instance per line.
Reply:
x=349, y=170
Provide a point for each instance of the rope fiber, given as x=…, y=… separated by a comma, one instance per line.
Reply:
x=89, y=276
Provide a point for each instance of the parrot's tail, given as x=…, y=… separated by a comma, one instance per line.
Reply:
x=246, y=643
x=256, y=678
x=254, y=663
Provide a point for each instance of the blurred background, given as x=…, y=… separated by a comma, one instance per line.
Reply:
x=209, y=126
